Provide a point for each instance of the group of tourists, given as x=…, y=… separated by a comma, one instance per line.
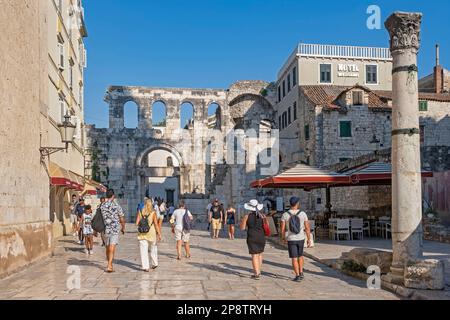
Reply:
x=218, y=218
x=295, y=229
x=81, y=220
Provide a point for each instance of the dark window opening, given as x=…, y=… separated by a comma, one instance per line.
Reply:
x=325, y=73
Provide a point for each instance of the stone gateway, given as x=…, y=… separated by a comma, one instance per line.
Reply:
x=208, y=155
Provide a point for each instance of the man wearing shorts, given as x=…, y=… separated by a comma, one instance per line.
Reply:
x=181, y=235
x=114, y=222
x=215, y=218
x=296, y=241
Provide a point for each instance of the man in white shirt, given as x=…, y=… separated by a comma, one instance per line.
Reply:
x=296, y=240
x=181, y=235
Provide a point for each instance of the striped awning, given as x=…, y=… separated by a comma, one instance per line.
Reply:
x=307, y=177
x=302, y=176
x=375, y=173
x=92, y=187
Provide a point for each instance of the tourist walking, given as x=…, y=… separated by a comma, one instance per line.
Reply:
x=294, y=229
x=256, y=238
x=208, y=210
x=149, y=233
x=88, y=232
x=102, y=234
x=79, y=211
x=73, y=215
x=230, y=217
x=171, y=210
x=113, y=217
x=181, y=226
x=163, y=209
x=216, y=216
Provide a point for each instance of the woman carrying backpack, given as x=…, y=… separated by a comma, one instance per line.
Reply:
x=256, y=238
x=148, y=234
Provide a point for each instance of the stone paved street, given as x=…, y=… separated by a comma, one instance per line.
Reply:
x=218, y=269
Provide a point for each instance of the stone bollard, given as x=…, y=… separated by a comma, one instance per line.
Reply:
x=425, y=274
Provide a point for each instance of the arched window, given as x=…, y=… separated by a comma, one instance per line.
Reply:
x=214, y=116
x=169, y=162
x=159, y=114
x=130, y=114
x=186, y=115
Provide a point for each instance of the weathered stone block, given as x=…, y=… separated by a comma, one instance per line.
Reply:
x=425, y=274
x=371, y=257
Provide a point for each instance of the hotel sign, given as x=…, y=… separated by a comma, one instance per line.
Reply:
x=348, y=70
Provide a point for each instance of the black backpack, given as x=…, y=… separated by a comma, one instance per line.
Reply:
x=294, y=223
x=144, y=226
x=186, y=222
x=98, y=224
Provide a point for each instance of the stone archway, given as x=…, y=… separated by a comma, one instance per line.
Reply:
x=159, y=176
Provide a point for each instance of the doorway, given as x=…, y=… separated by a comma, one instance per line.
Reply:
x=170, y=196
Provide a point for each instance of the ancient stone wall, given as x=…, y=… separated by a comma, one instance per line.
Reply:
x=25, y=230
x=117, y=156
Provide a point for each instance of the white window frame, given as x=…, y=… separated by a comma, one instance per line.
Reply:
x=365, y=74
x=331, y=73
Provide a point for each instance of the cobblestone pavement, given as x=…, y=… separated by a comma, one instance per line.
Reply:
x=218, y=269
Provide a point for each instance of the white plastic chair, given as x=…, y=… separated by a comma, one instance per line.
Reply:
x=380, y=225
x=342, y=228
x=357, y=228
x=366, y=227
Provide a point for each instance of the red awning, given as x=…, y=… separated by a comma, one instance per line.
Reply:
x=307, y=177
x=64, y=178
x=302, y=176
x=375, y=173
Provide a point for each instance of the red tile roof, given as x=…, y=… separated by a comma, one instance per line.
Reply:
x=327, y=96
x=440, y=97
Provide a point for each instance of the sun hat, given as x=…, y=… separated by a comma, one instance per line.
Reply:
x=253, y=205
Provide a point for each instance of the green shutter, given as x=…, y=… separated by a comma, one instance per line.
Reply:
x=423, y=105
x=307, y=132
x=345, y=129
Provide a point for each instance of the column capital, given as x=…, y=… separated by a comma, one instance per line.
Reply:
x=404, y=30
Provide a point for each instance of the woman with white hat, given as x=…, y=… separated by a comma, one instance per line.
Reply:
x=256, y=239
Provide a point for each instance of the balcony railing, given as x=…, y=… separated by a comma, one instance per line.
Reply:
x=337, y=51
x=320, y=50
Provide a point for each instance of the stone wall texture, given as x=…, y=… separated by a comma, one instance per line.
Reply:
x=25, y=233
x=118, y=156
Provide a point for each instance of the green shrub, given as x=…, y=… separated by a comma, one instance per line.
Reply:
x=352, y=266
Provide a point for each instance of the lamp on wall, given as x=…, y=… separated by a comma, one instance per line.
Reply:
x=67, y=132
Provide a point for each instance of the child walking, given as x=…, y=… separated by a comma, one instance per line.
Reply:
x=86, y=224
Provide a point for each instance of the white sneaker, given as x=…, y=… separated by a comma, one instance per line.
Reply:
x=91, y=252
x=86, y=251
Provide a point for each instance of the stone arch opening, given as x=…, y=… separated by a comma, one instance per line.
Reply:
x=160, y=172
x=130, y=114
x=187, y=115
x=159, y=114
x=214, y=116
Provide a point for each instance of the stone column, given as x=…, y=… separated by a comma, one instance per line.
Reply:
x=404, y=30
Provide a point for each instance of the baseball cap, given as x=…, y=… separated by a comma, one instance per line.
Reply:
x=294, y=200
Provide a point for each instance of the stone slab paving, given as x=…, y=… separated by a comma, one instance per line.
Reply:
x=218, y=269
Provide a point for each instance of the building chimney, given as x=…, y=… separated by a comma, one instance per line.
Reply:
x=438, y=74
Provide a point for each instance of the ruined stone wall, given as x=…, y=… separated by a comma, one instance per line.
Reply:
x=25, y=231
x=116, y=156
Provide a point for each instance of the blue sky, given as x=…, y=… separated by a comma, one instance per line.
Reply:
x=213, y=43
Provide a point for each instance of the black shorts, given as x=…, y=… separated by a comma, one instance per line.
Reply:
x=295, y=249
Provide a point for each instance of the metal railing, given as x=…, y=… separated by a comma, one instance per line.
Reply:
x=320, y=50
x=336, y=51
